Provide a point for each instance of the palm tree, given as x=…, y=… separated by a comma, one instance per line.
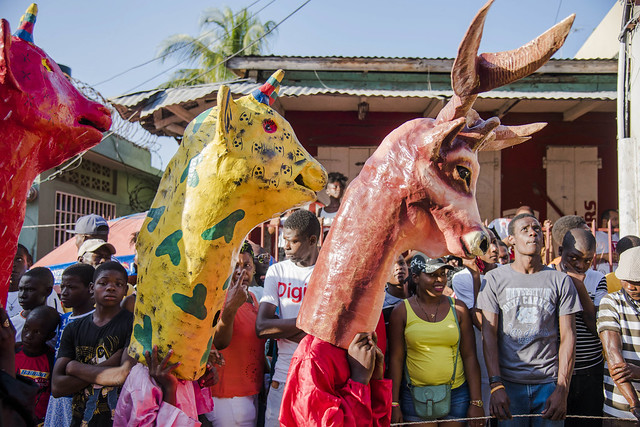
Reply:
x=223, y=34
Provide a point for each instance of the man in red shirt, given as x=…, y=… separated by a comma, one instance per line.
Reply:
x=328, y=385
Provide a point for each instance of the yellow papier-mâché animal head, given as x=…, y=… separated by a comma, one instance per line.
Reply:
x=239, y=164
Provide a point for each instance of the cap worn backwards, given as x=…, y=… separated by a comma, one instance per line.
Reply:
x=91, y=224
x=422, y=263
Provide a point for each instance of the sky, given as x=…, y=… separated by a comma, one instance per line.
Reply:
x=99, y=39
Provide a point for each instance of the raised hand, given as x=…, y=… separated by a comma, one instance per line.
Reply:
x=210, y=377
x=237, y=292
x=378, y=371
x=215, y=357
x=362, y=357
x=162, y=373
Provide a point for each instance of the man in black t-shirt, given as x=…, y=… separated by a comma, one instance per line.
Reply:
x=92, y=360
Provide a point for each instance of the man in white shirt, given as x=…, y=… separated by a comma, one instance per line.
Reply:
x=284, y=287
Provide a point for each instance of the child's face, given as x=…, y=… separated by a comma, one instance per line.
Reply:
x=35, y=334
x=109, y=288
x=400, y=271
x=20, y=265
x=74, y=293
x=32, y=292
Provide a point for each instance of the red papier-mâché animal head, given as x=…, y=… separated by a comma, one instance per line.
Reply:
x=417, y=191
x=44, y=120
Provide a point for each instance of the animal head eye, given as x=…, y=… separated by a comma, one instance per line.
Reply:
x=47, y=65
x=269, y=126
x=464, y=174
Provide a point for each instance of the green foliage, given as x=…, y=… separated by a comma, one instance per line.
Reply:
x=223, y=34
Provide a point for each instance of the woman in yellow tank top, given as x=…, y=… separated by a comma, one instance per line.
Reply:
x=424, y=330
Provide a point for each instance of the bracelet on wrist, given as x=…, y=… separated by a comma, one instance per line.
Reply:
x=477, y=403
x=395, y=404
x=495, y=379
x=496, y=388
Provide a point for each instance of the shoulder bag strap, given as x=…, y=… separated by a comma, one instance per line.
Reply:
x=406, y=368
x=455, y=316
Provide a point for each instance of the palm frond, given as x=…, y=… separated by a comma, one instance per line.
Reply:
x=223, y=34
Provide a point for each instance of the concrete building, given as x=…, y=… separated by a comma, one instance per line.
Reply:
x=113, y=179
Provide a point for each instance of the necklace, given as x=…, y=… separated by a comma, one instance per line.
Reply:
x=12, y=304
x=430, y=317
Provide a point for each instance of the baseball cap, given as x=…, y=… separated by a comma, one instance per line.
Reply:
x=420, y=262
x=91, y=245
x=629, y=265
x=91, y=224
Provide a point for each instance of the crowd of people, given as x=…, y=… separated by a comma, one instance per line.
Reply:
x=502, y=335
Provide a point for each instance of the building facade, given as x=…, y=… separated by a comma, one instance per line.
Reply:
x=341, y=108
x=113, y=179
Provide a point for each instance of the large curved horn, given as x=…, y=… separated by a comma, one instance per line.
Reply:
x=498, y=69
x=27, y=22
x=472, y=74
x=464, y=77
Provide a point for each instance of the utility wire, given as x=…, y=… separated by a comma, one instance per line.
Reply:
x=184, y=60
x=250, y=45
x=79, y=156
x=200, y=37
x=555, y=21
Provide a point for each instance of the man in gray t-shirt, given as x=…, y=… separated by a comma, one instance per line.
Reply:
x=528, y=329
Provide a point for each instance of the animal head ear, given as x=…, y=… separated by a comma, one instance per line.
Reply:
x=227, y=112
x=6, y=76
x=508, y=136
x=478, y=132
x=442, y=136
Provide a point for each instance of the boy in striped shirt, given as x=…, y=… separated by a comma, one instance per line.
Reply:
x=585, y=393
x=619, y=329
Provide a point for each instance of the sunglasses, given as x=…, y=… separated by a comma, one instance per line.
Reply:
x=264, y=258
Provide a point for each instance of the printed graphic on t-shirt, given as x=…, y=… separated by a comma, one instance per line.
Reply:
x=38, y=376
x=294, y=292
x=531, y=305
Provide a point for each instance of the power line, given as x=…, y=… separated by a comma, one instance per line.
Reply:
x=202, y=36
x=227, y=58
x=157, y=58
x=250, y=45
x=79, y=156
x=555, y=21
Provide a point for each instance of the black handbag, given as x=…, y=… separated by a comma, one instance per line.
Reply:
x=434, y=401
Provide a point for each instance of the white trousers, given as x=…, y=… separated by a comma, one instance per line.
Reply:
x=274, y=401
x=234, y=411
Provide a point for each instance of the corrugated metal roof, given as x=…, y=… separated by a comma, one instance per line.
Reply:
x=157, y=99
x=134, y=99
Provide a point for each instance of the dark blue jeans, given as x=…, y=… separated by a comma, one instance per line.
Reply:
x=529, y=399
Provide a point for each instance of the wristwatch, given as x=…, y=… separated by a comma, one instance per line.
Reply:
x=477, y=403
